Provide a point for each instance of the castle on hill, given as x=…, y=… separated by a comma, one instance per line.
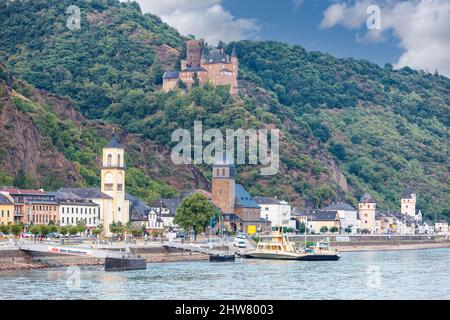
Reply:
x=215, y=67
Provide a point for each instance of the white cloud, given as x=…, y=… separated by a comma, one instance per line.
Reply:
x=421, y=26
x=297, y=4
x=203, y=18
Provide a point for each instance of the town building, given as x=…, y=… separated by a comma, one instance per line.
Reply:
x=348, y=216
x=425, y=227
x=278, y=212
x=239, y=210
x=74, y=210
x=367, y=214
x=397, y=223
x=6, y=210
x=33, y=206
x=214, y=67
x=166, y=209
x=316, y=220
x=441, y=226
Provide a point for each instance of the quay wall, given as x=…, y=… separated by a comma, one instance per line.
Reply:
x=15, y=259
x=164, y=254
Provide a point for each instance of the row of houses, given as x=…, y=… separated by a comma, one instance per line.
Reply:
x=240, y=211
x=339, y=217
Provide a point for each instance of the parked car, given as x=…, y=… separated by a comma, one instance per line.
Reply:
x=27, y=235
x=240, y=243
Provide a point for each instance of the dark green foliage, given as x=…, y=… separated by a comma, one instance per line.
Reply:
x=387, y=129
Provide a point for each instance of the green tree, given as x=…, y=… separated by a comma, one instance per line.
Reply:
x=334, y=229
x=195, y=213
x=348, y=230
x=196, y=79
x=324, y=229
x=97, y=231
x=35, y=231
x=4, y=229
x=16, y=229
x=73, y=230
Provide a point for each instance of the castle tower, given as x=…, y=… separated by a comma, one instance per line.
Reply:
x=223, y=186
x=194, y=50
x=113, y=184
x=408, y=203
x=367, y=209
x=235, y=68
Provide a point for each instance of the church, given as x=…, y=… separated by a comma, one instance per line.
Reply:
x=240, y=211
x=111, y=197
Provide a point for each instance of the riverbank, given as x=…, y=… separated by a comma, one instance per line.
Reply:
x=391, y=247
x=15, y=259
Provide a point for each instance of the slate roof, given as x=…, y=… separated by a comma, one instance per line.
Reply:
x=170, y=204
x=138, y=210
x=266, y=200
x=113, y=143
x=367, y=198
x=171, y=75
x=193, y=69
x=243, y=198
x=320, y=215
x=63, y=196
x=342, y=206
x=86, y=193
x=4, y=200
x=215, y=56
x=407, y=194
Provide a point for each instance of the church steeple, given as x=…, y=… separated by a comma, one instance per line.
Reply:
x=113, y=181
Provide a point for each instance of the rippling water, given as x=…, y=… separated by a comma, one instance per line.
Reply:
x=419, y=274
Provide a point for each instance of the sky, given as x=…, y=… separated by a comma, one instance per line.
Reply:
x=413, y=33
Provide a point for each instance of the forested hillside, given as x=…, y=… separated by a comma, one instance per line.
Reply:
x=348, y=126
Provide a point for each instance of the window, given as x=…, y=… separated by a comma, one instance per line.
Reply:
x=62, y=219
x=223, y=172
x=119, y=187
x=108, y=187
x=62, y=209
x=118, y=160
x=109, y=161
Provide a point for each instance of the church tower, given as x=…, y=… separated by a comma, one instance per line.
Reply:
x=223, y=185
x=113, y=184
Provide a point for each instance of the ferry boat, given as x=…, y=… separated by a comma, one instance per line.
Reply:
x=277, y=246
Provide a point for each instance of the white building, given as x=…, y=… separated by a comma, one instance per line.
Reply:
x=276, y=211
x=425, y=227
x=74, y=209
x=408, y=205
x=441, y=227
x=347, y=215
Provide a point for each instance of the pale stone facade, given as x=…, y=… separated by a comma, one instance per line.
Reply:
x=367, y=210
x=408, y=203
x=113, y=184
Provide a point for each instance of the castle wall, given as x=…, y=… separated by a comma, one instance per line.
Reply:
x=194, y=50
x=170, y=84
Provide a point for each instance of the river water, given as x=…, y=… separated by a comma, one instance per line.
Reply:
x=415, y=274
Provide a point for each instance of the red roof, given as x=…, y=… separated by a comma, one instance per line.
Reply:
x=23, y=191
